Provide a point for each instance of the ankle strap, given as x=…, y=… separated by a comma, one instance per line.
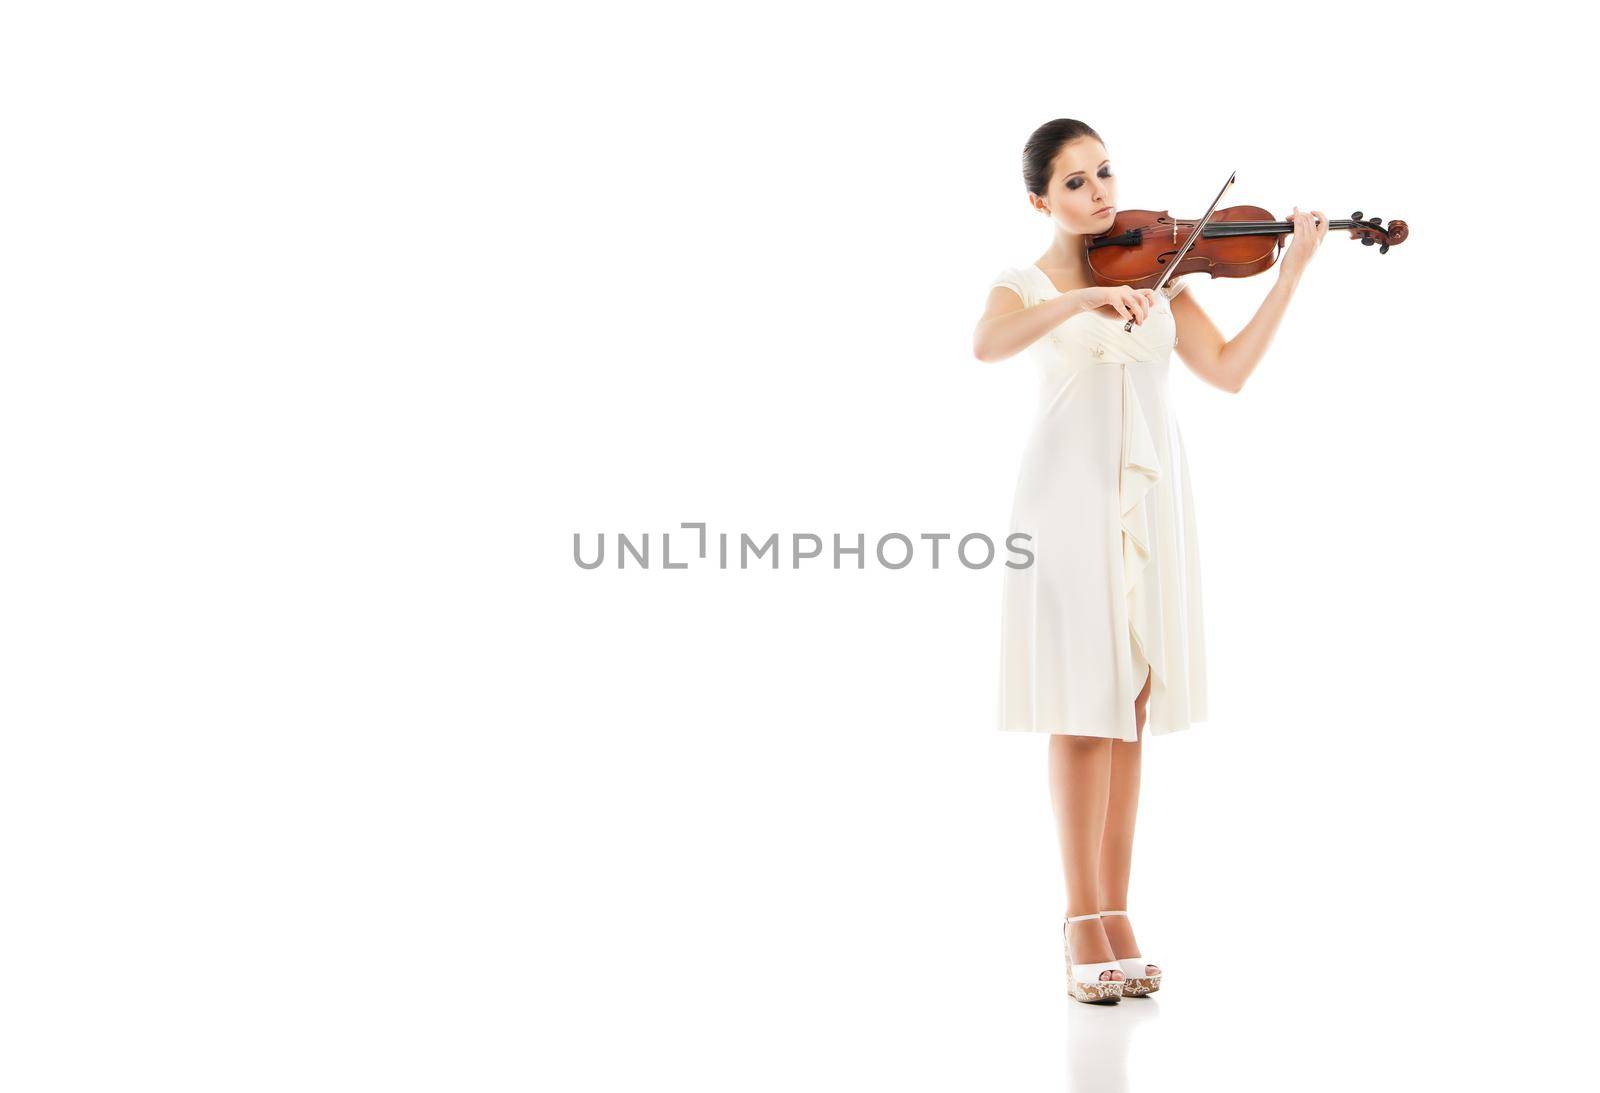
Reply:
x=1113, y=912
x=1080, y=918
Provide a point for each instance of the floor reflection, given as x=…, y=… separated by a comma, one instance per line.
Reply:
x=1099, y=1041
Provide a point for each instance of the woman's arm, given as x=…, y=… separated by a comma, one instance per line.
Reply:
x=1007, y=328
x=1227, y=363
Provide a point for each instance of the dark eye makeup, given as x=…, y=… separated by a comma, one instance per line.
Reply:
x=1076, y=182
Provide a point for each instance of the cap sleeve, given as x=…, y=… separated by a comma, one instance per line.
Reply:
x=1016, y=282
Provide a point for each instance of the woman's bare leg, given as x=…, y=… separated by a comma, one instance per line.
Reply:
x=1116, y=847
x=1080, y=784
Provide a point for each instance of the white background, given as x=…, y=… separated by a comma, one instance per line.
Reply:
x=326, y=326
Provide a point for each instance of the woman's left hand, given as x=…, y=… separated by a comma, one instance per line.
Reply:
x=1309, y=229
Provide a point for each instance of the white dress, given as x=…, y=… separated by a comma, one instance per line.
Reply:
x=1114, y=588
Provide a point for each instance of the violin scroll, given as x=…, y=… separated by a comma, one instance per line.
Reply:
x=1372, y=231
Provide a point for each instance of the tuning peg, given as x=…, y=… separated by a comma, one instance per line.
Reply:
x=1384, y=249
x=1355, y=216
x=1376, y=222
x=1366, y=241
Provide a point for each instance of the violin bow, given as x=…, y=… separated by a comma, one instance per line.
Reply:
x=1189, y=242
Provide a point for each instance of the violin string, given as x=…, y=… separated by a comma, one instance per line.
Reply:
x=1269, y=228
x=1282, y=226
x=1184, y=223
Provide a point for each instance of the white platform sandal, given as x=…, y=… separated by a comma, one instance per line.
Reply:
x=1087, y=982
x=1138, y=979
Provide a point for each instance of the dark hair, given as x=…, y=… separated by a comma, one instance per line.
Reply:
x=1042, y=147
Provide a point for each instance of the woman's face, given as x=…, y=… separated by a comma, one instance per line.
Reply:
x=1082, y=196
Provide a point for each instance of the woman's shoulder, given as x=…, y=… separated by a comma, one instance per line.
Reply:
x=1018, y=280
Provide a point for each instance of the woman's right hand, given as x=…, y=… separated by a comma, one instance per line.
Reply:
x=1130, y=303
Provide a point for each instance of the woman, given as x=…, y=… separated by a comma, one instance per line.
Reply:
x=1105, y=629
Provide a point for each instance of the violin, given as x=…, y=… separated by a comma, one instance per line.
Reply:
x=1144, y=249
